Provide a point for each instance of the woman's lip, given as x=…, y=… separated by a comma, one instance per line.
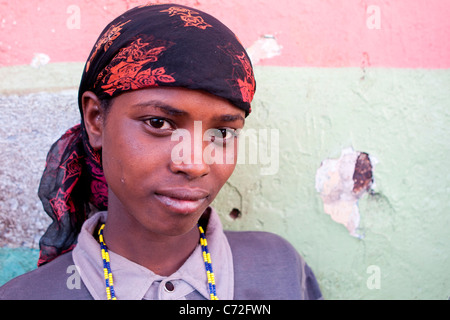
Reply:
x=192, y=194
x=182, y=200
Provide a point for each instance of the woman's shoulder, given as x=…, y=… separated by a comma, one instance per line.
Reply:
x=267, y=266
x=261, y=242
x=56, y=280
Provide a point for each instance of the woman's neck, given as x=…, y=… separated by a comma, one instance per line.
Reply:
x=159, y=253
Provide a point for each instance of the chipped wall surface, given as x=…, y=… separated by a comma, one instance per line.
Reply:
x=362, y=111
x=341, y=183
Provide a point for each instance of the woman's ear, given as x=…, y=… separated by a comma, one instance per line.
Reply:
x=93, y=116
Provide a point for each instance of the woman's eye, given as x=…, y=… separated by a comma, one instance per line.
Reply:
x=159, y=123
x=226, y=133
x=222, y=135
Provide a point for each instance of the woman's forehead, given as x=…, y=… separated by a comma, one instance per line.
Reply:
x=181, y=102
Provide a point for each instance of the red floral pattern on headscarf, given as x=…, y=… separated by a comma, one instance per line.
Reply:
x=127, y=70
x=247, y=86
x=243, y=84
x=190, y=17
x=105, y=41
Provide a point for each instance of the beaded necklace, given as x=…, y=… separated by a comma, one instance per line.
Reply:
x=110, y=293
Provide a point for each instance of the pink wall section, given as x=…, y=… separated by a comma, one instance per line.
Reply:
x=319, y=33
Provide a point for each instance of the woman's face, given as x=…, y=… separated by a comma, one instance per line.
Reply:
x=162, y=158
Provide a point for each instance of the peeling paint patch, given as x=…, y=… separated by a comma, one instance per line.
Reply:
x=341, y=183
x=39, y=60
x=265, y=47
x=362, y=176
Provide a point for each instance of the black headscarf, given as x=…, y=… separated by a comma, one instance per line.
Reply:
x=147, y=46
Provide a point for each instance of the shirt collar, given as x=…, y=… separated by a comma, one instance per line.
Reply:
x=135, y=282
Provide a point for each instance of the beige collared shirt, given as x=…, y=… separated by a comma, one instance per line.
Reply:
x=135, y=282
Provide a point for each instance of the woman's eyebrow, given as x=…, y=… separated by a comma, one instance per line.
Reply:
x=167, y=109
x=229, y=118
x=172, y=111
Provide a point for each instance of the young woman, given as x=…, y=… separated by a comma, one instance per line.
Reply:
x=134, y=221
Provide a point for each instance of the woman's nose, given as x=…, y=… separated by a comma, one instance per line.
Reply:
x=191, y=170
x=187, y=155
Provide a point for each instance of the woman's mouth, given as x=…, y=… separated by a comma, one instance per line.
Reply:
x=182, y=200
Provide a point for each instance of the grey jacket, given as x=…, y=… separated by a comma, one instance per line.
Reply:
x=266, y=267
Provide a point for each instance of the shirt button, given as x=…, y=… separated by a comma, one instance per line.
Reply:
x=169, y=287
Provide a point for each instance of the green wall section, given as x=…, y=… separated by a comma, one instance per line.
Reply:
x=51, y=77
x=14, y=262
x=401, y=117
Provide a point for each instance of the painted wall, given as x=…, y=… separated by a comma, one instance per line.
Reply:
x=335, y=79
